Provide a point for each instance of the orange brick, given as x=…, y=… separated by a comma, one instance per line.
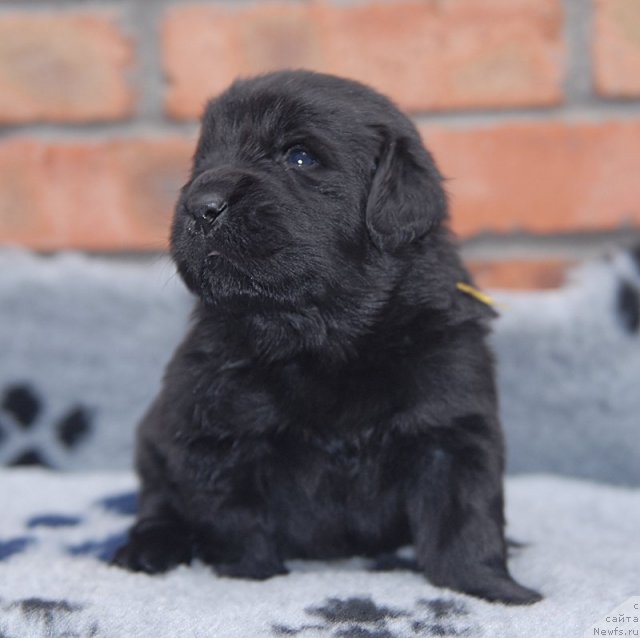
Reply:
x=519, y=274
x=542, y=177
x=538, y=177
x=112, y=195
x=617, y=48
x=62, y=67
x=427, y=54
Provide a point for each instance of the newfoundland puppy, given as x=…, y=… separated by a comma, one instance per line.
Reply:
x=335, y=395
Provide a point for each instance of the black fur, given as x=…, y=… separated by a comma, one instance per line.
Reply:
x=335, y=395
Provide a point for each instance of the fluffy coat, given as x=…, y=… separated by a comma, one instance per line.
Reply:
x=335, y=394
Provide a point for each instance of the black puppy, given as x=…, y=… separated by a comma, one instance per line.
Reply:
x=335, y=395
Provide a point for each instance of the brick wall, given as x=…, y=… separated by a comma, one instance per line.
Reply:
x=531, y=107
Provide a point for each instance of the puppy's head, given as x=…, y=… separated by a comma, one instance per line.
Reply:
x=299, y=181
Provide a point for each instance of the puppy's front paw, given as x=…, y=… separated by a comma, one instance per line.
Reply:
x=154, y=550
x=252, y=570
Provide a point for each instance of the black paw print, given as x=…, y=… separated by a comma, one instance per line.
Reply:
x=628, y=305
x=363, y=618
x=54, y=618
x=26, y=435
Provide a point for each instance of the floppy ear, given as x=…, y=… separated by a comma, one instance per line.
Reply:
x=406, y=198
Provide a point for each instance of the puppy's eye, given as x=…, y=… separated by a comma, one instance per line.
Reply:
x=298, y=156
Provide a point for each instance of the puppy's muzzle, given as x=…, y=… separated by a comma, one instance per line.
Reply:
x=206, y=209
x=211, y=197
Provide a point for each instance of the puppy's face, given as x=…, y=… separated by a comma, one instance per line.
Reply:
x=298, y=179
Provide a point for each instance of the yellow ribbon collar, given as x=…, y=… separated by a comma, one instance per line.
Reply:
x=475, y=293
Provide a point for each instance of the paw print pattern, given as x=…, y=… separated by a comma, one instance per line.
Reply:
x=628, y=294
x=363, y=618
x=44, y=525
x=53, y=618
x=26, y=439
x=628, y=306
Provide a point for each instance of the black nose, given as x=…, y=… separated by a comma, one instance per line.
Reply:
x=207, y=208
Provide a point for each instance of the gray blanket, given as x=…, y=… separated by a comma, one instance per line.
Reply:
x=582, y=552
x=83, y=343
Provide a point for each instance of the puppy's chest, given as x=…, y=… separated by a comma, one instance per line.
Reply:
x=304, y=437
x=293, y=396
